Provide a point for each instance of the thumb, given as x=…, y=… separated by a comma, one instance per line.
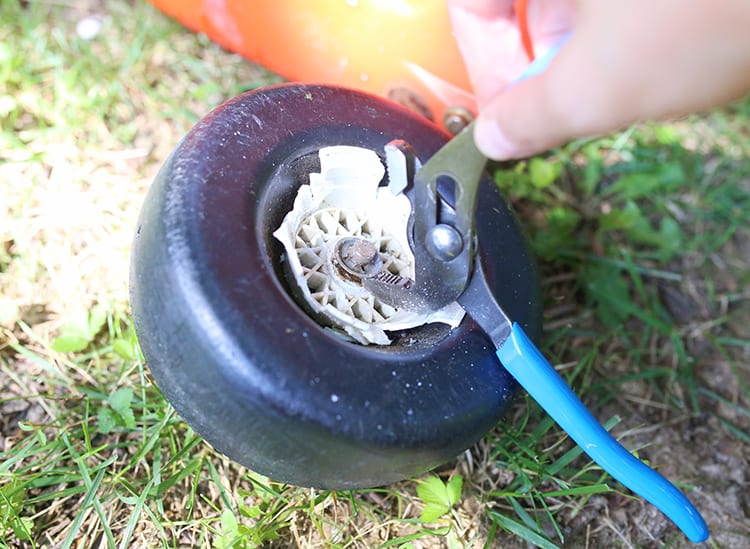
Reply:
x=520, y=122
x=568, y=100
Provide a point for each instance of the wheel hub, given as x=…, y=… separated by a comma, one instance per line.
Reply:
x=344, y=228
x=240, y=360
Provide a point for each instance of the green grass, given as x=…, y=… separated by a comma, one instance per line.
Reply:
x=643, y=244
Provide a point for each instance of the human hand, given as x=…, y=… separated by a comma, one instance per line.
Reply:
x=626, y=61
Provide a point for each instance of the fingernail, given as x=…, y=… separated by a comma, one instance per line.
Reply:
x=491, y=140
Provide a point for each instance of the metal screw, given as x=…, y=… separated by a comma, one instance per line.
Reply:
x=358, y=257
x=456, y=119
x=444, y=242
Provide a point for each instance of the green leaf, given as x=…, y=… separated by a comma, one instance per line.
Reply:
x=124, y=349
x=228, y=522
x=106, y=420
x=119, y=412
x=620, y=218
x=253, y=511
x=129, y=418
x=561, y=224
x=70, y=343
x=454, y=487
x=670, y=234
x=229, y=530
x=438, y=498
x=666, y=135
x=80, y=330
x=607, y=288
x=97, y=318
x=120, y=401
x=76, y=324
x=543, y=173
x=516, y=182
x=433, y=511
x=22, y=527
x=668, y=239
x=12, y=496
x=592, y=171
x=658, y=179
x=432, y=490
x=29, y=427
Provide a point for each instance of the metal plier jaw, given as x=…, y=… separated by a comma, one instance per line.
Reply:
x=443, y=196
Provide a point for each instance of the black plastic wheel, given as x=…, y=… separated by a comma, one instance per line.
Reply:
x=240, y=360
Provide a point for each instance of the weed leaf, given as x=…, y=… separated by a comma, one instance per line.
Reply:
x=432, y=490
x=611, y=293
x=228, y=522
x=22, y=528
x=433, y=511
x=124, y=349
x=660, y=178
x=80, y=331
x=454, y=489
x=543, y=173
x=120, y=400
x=119, y=412
x=106, y=420
x=70, y=343
x=438, y=498
x=229, y=530
x=621, y=218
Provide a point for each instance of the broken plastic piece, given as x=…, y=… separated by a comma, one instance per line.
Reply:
x=342, y=202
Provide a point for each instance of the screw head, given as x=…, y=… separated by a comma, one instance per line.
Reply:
x=456, y=119
x=359, y=257
x=444, y=242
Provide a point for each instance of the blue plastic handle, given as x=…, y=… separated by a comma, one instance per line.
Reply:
x=535, y=374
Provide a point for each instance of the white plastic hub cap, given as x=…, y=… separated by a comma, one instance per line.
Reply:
x=343, y=207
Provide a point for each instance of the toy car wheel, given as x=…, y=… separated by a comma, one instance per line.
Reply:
x=239, y=357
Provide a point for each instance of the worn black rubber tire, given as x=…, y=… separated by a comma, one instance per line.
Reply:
x=237, y=357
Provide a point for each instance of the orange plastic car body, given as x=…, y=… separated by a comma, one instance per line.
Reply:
x=400, y=49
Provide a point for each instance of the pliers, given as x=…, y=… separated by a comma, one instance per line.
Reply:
x=443, y=195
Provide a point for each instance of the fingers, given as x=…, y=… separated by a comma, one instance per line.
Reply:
x=625, y=62
x=597, y=83
x=521, y=122
x=576, y=96
x=488, y=39
x=483, y=8
x=572, y=98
